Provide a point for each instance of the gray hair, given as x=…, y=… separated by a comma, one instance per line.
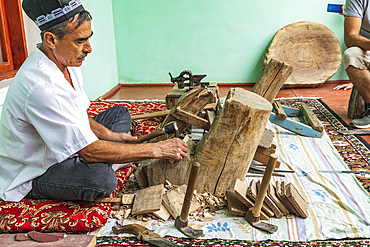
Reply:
x=61, y=29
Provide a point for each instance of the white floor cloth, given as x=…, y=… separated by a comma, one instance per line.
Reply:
x=338, y=206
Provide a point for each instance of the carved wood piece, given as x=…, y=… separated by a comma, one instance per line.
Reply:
x=240, y=190
x=235, y=206
x=148, y=200
x=311, y=48
x=311, y=118
x=279, y=111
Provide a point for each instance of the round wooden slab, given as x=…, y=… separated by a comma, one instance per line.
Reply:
x=311, y=48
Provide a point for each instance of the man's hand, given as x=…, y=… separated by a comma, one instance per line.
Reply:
x=174, y=149
x=344, y=87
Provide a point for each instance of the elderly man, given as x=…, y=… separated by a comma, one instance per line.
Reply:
x=49, y=147
x=356, y=58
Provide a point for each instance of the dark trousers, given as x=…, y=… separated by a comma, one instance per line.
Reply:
x=74, y=179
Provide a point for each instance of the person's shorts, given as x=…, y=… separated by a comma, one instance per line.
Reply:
x=356, y=57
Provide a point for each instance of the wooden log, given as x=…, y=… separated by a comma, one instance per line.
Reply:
x=311, y=118
x=356, y=104
x=158, y=171
x=272, y=79
x=226, y=152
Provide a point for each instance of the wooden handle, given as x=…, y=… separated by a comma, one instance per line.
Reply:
x=189, y=191
x=149, y=136
x=264, y=185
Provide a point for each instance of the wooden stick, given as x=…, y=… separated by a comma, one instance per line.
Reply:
x=264, y=185
x=189, y=191
x=165, y=113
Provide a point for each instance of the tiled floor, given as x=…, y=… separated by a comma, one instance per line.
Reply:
x=336, y=100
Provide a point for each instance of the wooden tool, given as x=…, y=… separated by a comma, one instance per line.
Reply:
x=253, y=214
x=181, y=222
x=314, y=129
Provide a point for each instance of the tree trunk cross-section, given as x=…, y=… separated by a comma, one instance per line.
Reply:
x=311, y=48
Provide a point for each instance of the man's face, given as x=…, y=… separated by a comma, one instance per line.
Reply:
x=74, y=47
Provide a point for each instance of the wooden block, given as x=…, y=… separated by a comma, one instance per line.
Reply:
x=279, y=111
x=174, y=199
x=163, y=213
x=8, y=240
x=141, y=177
x=297, y=200
x=128, y=199
x=252, y=194
x=148, y=200
x=272, y=194
x=240, y=191
x=236, y=207
x=267, y=138
x=272, y=79
x=280, y=192
x=278, y=214
x=263, y=158
x=311, y=118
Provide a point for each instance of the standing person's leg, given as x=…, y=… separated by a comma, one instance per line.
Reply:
x=356, y=62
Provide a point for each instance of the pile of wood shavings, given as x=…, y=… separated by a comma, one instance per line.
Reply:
x=209, y=205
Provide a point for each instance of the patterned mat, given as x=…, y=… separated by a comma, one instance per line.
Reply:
x=353, y=150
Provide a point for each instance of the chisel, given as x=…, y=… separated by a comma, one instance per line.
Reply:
x=353, y=172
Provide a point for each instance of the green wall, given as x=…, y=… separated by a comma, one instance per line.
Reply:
x=100, y=68
x=225, y=39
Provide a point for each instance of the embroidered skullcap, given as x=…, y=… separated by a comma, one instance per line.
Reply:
x=47, y=13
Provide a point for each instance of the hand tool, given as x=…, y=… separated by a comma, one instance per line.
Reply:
x=354, y=132
x=181, y=222
x=170, y=128
x=253, y=214
x=353, y=172
x=144, y=234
